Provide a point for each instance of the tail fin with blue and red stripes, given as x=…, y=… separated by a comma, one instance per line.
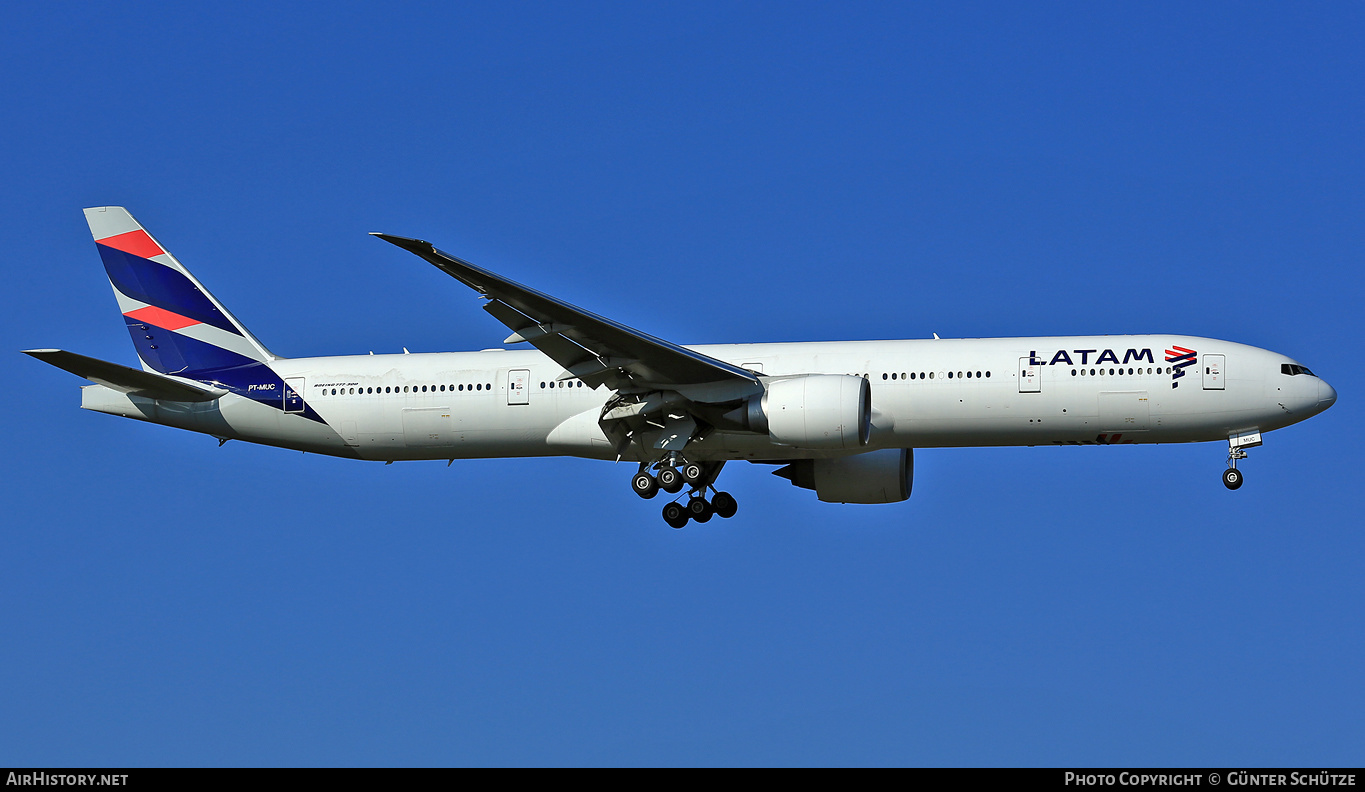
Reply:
x=176, y=325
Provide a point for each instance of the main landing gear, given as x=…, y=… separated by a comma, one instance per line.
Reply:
x=672, y=476
x=1237, y=446
x=698, y=508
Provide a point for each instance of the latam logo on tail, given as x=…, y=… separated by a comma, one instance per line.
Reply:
x=1180, y=359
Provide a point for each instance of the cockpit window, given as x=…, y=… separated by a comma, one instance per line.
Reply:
x=1293, y=369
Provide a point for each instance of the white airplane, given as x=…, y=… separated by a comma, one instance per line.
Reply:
x=841, y=418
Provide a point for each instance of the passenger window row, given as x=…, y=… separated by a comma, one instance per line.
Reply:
x=1119, y=371
x=922, y=375
x=478, y=386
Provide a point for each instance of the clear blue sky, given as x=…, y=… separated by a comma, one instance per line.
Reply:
x=706, y=174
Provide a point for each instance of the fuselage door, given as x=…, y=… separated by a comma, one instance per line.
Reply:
x=293, y=395
x=1030, y=376
x=1213, y=372
x=519, y=386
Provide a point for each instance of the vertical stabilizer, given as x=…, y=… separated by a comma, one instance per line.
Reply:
x=176, y=325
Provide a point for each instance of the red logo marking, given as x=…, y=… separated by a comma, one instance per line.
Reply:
x=160, y=317
x=135, y=242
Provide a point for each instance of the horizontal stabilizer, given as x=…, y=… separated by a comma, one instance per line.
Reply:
x=124, y=379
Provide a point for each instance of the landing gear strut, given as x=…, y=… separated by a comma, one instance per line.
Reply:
x=1237, y=446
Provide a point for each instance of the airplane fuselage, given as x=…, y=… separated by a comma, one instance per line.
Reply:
x=925, y=393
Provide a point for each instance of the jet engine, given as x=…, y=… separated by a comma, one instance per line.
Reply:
x=883, y=476
x=826, y=411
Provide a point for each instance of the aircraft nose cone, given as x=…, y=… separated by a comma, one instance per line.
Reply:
x=1327, y=395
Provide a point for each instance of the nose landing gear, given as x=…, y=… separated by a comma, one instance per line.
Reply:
x=1237, y=446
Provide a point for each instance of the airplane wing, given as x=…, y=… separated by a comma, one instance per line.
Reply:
x=126, y=380
x=589, y=347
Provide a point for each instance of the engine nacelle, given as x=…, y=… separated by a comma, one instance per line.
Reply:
x=883, y=476
x=815, y=411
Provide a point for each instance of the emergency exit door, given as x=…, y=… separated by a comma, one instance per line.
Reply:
x=1213, y=372
x=293, y=395
x=519, y=386
x=1030, y=376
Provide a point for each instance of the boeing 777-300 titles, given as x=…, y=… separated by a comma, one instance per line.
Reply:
x=841, y=418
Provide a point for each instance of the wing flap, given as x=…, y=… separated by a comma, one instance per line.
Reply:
x=124, y=379
x=562, y=349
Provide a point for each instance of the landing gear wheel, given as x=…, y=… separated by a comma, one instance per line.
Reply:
x=724, y=505
x=699, y=510
x=1232, y=478
x=692, y=473
x=675, y=515
x=644, y=485
x=670, y=480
